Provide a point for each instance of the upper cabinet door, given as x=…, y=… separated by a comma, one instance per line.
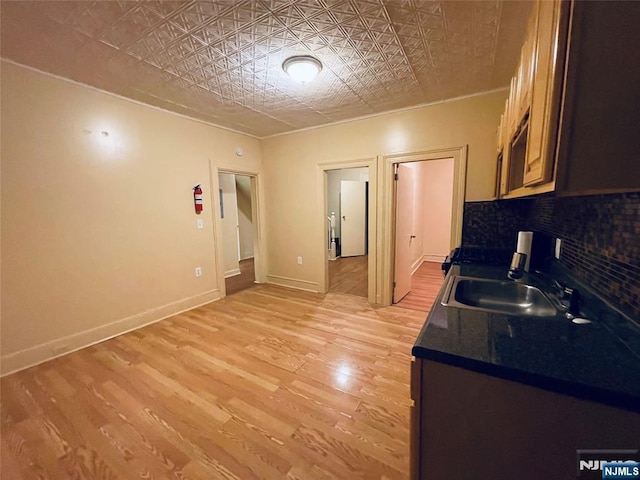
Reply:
x=512, y=108
x=599, y=139
x=502, y=171
x=547, y=71
x=526, y=67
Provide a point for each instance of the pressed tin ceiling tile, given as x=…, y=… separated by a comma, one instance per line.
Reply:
x=220, y=61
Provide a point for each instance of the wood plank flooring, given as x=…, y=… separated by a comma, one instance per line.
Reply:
x=268, y=383
x=425, y=285
x=245, y=280
x=349, y=275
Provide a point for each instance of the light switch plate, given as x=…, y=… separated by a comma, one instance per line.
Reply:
x=200, y=223
x=558, y=247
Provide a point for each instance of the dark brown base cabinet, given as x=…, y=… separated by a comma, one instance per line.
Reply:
x=467, y=425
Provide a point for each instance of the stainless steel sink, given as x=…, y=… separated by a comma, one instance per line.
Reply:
x=506, y=297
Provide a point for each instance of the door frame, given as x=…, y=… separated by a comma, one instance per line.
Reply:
x=387, y=200
x=257, y=215
x=323, y=214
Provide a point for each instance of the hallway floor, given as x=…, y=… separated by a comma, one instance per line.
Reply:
x=349, y=275
x=245, y=280
x=425, y=285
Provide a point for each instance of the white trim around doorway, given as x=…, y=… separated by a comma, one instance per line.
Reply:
x=257, y=214
x=322, y=215
x=386, y=201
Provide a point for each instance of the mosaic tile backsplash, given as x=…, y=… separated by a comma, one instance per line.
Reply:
x=600, y=237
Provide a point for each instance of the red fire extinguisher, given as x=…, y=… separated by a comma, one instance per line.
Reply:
x=197, y=199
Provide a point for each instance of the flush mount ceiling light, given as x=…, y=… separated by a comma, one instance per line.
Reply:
x=303, y=68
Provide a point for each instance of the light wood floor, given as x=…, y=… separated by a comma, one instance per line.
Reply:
x=425, y=285
x=349, y=275
x=268, y=383
x=245, y=280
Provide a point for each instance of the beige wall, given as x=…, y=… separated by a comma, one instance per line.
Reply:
x=293, y=199
x=416, y=214
x=432, y=200
x=99, y=233
x=437, y=203
x=245, y=214
x=229, y=222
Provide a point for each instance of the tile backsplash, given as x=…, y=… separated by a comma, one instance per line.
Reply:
x=600, y=237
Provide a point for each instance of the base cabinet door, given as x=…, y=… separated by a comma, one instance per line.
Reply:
x=474, y=426
x=414, y=427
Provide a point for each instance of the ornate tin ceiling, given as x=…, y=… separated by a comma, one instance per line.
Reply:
x=220, y=61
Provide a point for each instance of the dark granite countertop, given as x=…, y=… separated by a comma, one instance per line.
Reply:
x=598, y=361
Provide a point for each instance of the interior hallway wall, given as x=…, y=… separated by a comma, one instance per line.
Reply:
x=229, y=222
x=437, y=201
x=99, y=232
x=245, y=213
x=416, y=213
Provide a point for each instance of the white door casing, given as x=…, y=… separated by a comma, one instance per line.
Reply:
x=386, y=255
x=257, y=221
x=372, y=220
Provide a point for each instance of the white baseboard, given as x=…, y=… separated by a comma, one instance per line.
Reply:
x=31, y=356
x=434, y=258
x=293, y=283
x=416, y=265
x=232, y=273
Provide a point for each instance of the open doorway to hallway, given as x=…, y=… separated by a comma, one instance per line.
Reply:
x=347, y=197
x=423, y=225
x=238, y=233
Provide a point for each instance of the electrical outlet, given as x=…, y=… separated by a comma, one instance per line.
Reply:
x=299, y=260
x=558, y=248
x=198, y=272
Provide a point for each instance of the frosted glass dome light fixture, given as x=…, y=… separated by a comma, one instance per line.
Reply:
x=302, y=68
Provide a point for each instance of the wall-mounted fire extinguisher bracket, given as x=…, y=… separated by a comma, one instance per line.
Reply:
x=197, y=199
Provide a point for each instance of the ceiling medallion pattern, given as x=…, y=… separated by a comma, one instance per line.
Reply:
x=221, y=61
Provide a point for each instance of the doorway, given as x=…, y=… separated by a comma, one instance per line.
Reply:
x=423, y=217
x=323, y=245
x=414, y=241
x=347, y=203
x=237, y=230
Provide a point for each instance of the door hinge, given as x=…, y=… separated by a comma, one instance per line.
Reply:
x=394, y=284
x=395, y=177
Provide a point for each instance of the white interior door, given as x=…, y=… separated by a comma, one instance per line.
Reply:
x=404, y=234
x=353, y=211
